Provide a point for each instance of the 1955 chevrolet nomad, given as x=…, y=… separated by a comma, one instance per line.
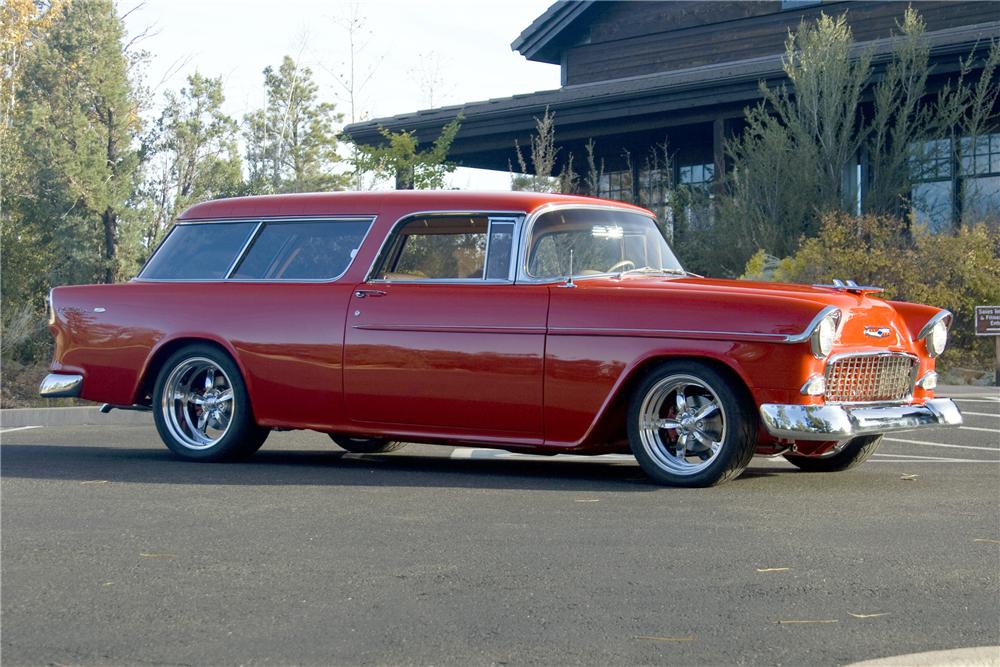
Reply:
x=528, y=322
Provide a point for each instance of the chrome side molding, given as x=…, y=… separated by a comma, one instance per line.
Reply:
x=61, y=385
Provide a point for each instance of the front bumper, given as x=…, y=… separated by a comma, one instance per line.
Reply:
x=61, y=385
x=838, y=422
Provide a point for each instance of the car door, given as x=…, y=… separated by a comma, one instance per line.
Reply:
x=439, y=339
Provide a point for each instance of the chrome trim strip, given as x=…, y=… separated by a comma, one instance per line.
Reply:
x=837, y=422
x=61, y=385
x=261, y=222
x=812, y=326
x=934, y=320
x=518, y=215
x=871, y=353
x=243, y=251
x=688, y=333
x=434, y=328
x=680, y=333
x=438, y=281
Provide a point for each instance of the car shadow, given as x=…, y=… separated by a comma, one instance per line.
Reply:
x=312, y=468
x=323, y=468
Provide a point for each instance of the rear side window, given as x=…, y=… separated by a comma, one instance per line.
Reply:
x=314, y=250
x=199, y=251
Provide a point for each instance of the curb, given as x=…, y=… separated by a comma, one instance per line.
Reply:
x=17, y=417
x=977, y=656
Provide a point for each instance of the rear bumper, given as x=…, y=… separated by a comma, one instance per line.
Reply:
x=61, y=385
x=837, y=422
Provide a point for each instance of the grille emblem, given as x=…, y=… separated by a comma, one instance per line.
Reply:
x=877, y=332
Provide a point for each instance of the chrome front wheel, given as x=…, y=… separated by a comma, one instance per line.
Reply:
x=691, y=425
x=682, y=424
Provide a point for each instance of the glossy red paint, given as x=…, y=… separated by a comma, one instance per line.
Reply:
x=523, y=366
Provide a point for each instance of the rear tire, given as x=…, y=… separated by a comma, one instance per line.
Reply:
x=202, y=409
x=366, y=445
x=854, y=453
x=690, y=425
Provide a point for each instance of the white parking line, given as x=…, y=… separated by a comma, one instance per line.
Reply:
x=485, y=453
x=977, y=400
x=977, y=428
x=908, y=461
x=931, y=458
x=18, y=428
x=980, y=414
x=940, y=444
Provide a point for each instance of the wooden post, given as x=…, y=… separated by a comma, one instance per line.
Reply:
x=996, y=380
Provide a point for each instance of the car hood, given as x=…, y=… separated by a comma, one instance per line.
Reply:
x=708, y=305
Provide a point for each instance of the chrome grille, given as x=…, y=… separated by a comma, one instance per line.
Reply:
x=869, y=377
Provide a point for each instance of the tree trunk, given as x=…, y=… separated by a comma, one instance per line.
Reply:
x=109, y=220
x=404, y=178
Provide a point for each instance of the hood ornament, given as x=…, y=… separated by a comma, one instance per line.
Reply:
x=851, y=286
x=877, y=332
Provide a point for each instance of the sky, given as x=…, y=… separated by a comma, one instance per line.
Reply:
x=419, y=53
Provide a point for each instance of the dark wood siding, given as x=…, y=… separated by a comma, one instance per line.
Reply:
x=636, y=38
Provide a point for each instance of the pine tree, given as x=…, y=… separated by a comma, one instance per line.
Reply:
x=76, y=119
x=291, y=142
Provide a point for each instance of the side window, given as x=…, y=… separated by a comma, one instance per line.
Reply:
x=450, y=247
x=198, y=251
x=498, y=265
x=302, y=250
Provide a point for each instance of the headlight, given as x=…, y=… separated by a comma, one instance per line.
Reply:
x=825, y=334
x=937, y=338
x=935, y=333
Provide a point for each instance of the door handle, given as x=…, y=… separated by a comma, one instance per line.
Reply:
x=362, y=293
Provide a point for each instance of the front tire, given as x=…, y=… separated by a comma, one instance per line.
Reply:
x=689, y=425
x=202, y=409
x=366, y=445
x=854, y=453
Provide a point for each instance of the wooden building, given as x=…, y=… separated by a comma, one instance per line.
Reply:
x=638, y=74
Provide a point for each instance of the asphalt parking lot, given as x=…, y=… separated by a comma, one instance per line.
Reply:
x=113, y=552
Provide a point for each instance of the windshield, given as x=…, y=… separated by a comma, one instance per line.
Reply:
x=602, y=241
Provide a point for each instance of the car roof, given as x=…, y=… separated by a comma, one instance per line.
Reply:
x=373, y=203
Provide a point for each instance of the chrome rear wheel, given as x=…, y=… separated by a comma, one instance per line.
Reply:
x=202, y=408
x=197, y=403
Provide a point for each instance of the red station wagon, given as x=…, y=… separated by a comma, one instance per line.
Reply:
x=527, y=322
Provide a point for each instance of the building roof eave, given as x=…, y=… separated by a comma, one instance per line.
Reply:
x=536, y=41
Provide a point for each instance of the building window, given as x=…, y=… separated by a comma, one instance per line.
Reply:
x=697, y=175
x=950, y=185
x=979, y=166
x=654, y=194
x=616, y=185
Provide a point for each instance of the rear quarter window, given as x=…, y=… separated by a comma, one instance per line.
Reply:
x=313, y=250
x=201, y=251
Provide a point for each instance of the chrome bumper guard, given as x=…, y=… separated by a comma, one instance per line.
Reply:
x=59, y=385
x=837, y=422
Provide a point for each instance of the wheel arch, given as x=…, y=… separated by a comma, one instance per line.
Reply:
x=610, y=424
x=162, y=351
